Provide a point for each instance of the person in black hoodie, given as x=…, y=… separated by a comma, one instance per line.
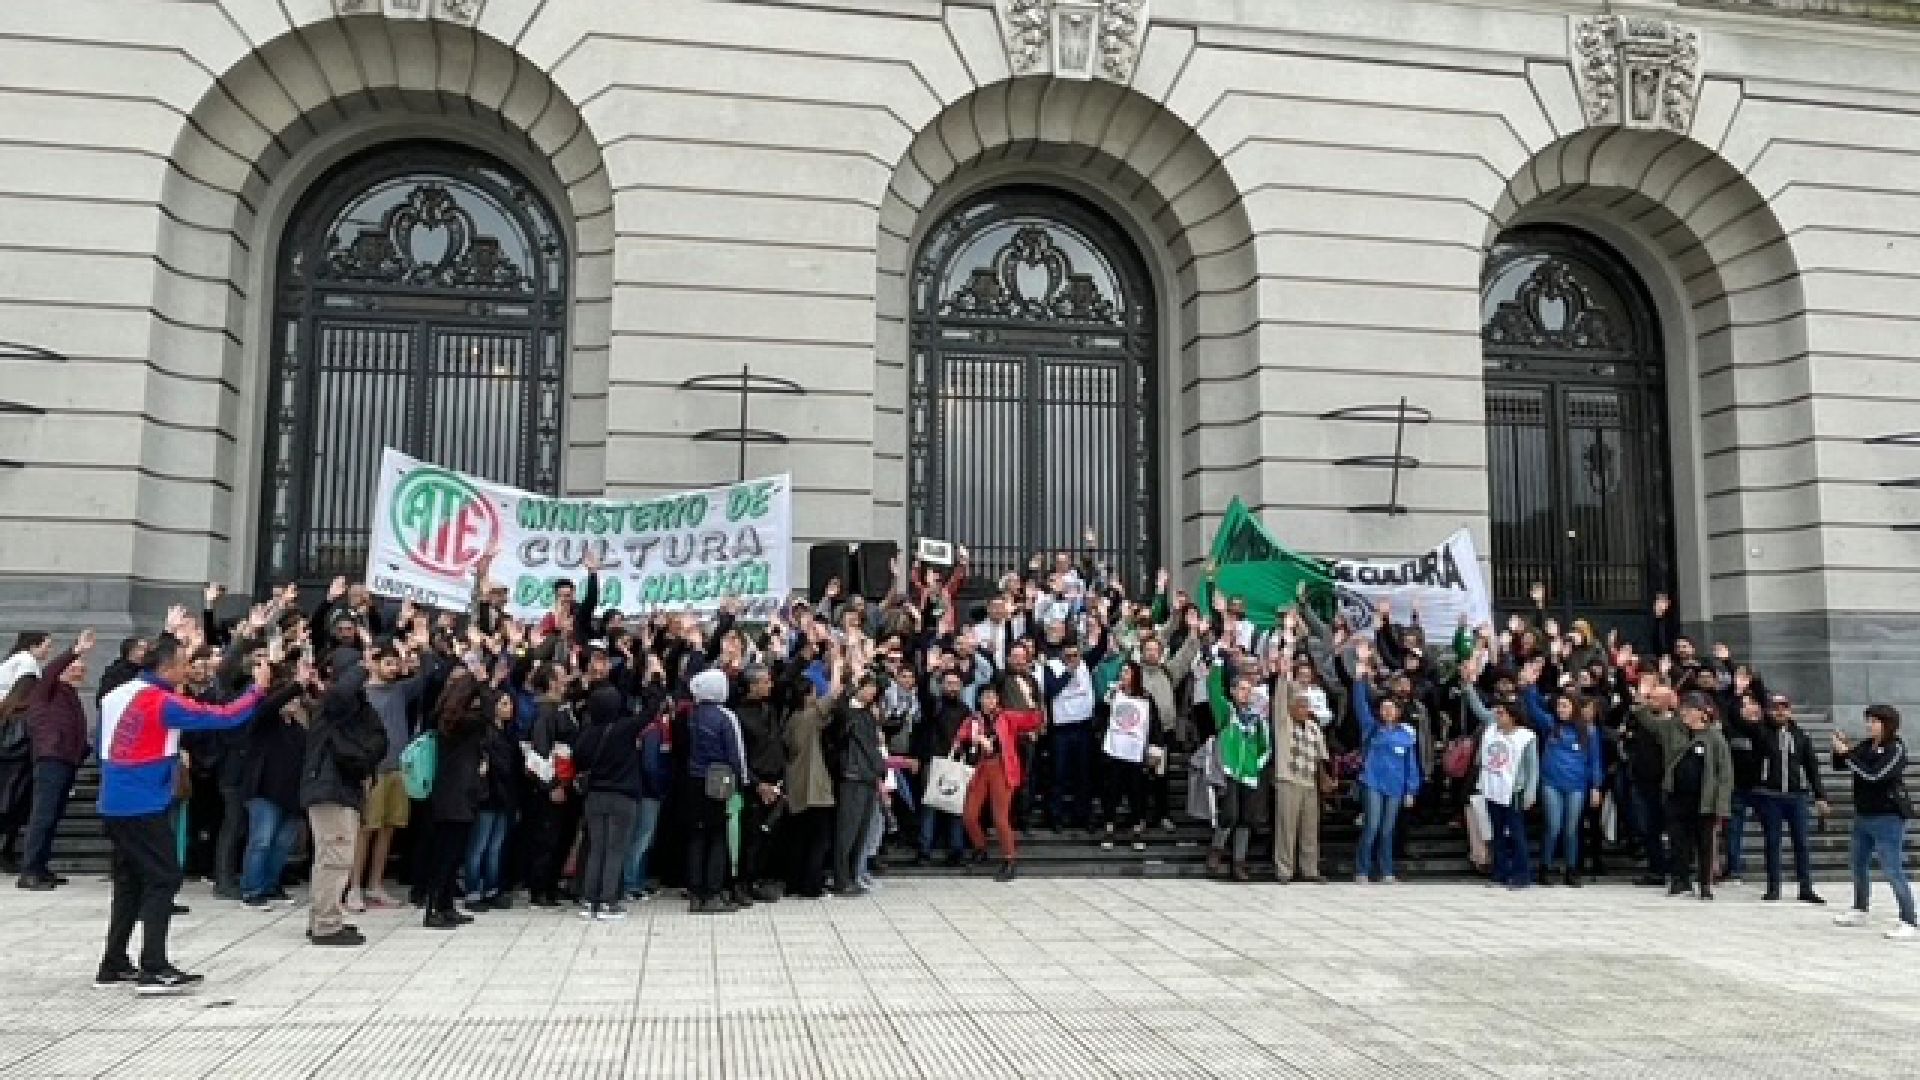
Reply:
x=345, y=743
x=1788, y=771
x=762, y=804
x=1881, y=807
x=459, y=787
x=504, y=762
x=550, y=811
x=275, y=751
x=609, y=757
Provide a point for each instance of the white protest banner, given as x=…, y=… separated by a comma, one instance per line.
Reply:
x=1443, y=583
x=690, y=550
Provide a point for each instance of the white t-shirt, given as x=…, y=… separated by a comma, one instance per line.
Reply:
x=1074, y=703
x=1500, y=756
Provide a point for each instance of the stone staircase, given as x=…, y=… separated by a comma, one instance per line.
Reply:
x=1432, y=849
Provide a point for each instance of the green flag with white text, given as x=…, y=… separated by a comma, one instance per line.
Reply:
x=1246, y=563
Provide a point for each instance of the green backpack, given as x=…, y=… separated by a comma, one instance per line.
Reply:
x=418, y=764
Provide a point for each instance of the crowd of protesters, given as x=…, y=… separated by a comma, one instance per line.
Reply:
x=585, y=758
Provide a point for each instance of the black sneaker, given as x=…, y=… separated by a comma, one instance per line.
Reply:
x=1770, y=895
x=1808, y=896
x=35, y=883
x=1008, y=872
x=344, y=938
x=181, y=909
x=115, y=975
x=168, y=980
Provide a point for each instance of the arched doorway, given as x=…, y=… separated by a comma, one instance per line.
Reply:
x=1031, y=411
x=1576, y=430
x=421, y=304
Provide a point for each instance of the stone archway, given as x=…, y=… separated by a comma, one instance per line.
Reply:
x=275, y=121
x=1153, y=174
x=1724, y=277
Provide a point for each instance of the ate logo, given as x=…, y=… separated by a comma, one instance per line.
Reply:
x=442, y=521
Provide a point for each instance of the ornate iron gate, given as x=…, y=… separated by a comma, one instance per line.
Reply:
x=1031, y=418
x=421, y=305
x=1576, y=432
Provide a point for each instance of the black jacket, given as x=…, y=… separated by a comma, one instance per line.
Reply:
x=939, y=725
x=1744, y=742
x=458, y=787
x=505, y=763
x=1879, y=778
x=766, y=742
x=344, y=745
x=276, y=750
x=861, y=761
x=609, y=755
x=1788, y=764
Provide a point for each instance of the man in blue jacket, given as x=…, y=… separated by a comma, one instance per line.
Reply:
x=140, y=726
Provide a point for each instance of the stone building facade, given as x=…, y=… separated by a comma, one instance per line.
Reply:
x=1647, y=278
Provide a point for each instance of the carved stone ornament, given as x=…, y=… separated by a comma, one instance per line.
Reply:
x=1074, y=39
x=462, y=12
x=1637, y=72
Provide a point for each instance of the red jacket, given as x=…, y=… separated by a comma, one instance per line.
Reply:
x=1010, y=725
x=56, y=720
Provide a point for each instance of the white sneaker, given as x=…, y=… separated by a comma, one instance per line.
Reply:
x=1361, y=879
x=1389, y=880
x=1905, y=931
x=356, y=901
x=1850, y=917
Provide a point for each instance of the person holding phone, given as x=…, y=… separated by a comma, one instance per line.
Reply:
x=1881, y=808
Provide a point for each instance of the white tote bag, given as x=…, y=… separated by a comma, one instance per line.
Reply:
x=947, y=781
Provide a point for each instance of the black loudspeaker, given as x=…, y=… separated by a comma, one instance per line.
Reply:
x=827, y=561
x=875, y=569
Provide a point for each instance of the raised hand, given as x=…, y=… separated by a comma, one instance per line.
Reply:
x=1721, y=652
x=1661, y=605
x=260, y=616
x=213, y=593
x=337, y=588
x=84, y=643
x=1538, y=592
x=591, y=560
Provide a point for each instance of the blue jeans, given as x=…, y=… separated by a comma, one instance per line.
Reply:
x=1563, y=826
x=634, y=876
x=1379, y=812
x=1509, y=825
x=489, y=835
x=1746, y=804
x=930, y=820
x=1881, y=837
x=271, y=832
x=1775, y=808
x=1072, y=754
x=52, y=783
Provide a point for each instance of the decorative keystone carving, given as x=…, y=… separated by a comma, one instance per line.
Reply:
x=463, y=12
x=1637, y=72
x=1074, y=39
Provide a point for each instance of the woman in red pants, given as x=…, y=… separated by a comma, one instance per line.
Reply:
x=990, y=739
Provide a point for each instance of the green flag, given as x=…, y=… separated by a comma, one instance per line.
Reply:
x=1246, y=563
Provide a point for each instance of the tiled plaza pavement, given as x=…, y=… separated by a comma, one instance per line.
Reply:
x=969, y=980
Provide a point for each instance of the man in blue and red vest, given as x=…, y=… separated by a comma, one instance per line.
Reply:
x=140, y=726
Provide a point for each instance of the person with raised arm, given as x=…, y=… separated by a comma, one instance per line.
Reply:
x=140, y=728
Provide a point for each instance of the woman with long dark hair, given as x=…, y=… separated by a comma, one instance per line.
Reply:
x=459, y=787
x=1133, y=725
